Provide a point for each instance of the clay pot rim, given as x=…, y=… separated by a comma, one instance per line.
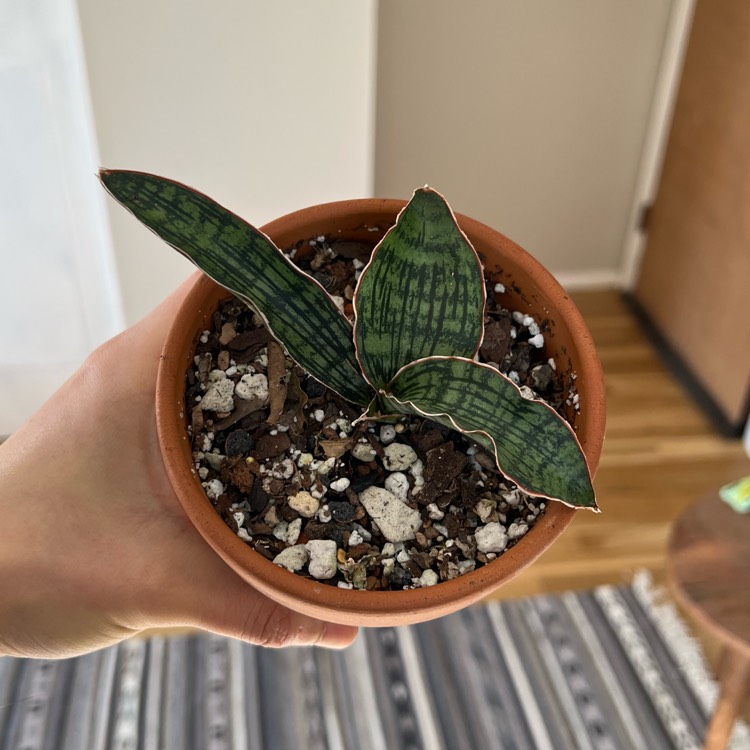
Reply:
x=322, y=599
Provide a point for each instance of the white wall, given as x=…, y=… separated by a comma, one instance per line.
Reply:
x=267, y=107
x=58, y=292
x=530, y=116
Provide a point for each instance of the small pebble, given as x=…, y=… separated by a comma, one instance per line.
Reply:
x=387, y=434
x=435, y=513
x=293, y=558
x=304, y=503
x=326, y=466
x=215, y=460
x=363, y=451
x=517, y=530
x=252, y=386
x=363, y=532
x=218, y=397
x=398, y=457
x=398, y=484
x=499, y=288
x=396, y=520
x=322, y=564
x=491, y=538
x=428, y=578
x=339, y=485
x=293, y=531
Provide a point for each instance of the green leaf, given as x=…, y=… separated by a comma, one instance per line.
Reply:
x=422, y=293
x=533, y=446
x=299, y=312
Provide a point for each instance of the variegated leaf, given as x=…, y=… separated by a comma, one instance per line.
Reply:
x=534, y=447
x=299, y=312
x=421, y=294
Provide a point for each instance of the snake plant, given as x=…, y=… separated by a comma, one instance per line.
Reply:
x=418, y=324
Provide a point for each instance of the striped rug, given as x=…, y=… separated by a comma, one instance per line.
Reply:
x=606, y=669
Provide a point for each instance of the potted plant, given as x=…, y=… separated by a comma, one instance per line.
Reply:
x=407, y=354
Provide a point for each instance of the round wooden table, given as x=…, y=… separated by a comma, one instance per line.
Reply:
x=708, y=561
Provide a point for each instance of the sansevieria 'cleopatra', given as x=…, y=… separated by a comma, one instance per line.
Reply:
x=418, y=325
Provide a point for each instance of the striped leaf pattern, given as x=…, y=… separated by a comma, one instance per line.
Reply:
x=422, y=293
x=533, y=445
x=299, y=312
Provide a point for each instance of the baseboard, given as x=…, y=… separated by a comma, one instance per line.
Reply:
x=587, y=281
x=683, y=374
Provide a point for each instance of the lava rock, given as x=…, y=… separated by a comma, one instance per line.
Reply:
x=238, y=443
x=342, y=511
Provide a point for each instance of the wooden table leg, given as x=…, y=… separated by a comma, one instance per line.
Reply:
x=734, y=676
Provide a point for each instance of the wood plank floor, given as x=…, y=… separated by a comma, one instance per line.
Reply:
x=660, y=455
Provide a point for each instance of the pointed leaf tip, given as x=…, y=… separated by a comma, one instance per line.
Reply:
x=533, y=446
x=421, y=294
x=298, y=311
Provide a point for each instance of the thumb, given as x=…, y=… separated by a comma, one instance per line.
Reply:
x=257, y=619
x=213, y=597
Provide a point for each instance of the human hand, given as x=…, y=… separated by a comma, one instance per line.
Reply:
x=94, y=545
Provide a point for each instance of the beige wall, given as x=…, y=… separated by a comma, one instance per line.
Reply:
x=529, y=116
x=267, y=107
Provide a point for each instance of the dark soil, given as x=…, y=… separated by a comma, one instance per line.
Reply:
x=297, y=441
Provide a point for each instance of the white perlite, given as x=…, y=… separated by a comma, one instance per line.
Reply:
x=293, y=558
x=326, y=466
x=304, y=503
x=429, y=578
x=491, y=538
x=288, y=532
x=398, y=457
x=517, y=530
x=252, y=386
x=396, y=520
x=537, y=341
x=219, y=396
x=363, y=451
x=339, y=485
x=322, y=563
x=398, y=484
x=214, y=488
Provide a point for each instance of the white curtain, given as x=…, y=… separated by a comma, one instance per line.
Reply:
x=58, y=289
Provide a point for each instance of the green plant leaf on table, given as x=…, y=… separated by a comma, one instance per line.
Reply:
x=421, y=294
x=533, y=446
x=299, y=312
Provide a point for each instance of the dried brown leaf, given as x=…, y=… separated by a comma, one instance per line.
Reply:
x=337, y=447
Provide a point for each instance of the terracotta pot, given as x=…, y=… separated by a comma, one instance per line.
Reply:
x=530, y=289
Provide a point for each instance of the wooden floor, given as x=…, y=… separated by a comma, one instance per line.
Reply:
x=660, y=455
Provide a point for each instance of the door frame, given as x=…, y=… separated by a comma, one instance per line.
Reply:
x=657, y=137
